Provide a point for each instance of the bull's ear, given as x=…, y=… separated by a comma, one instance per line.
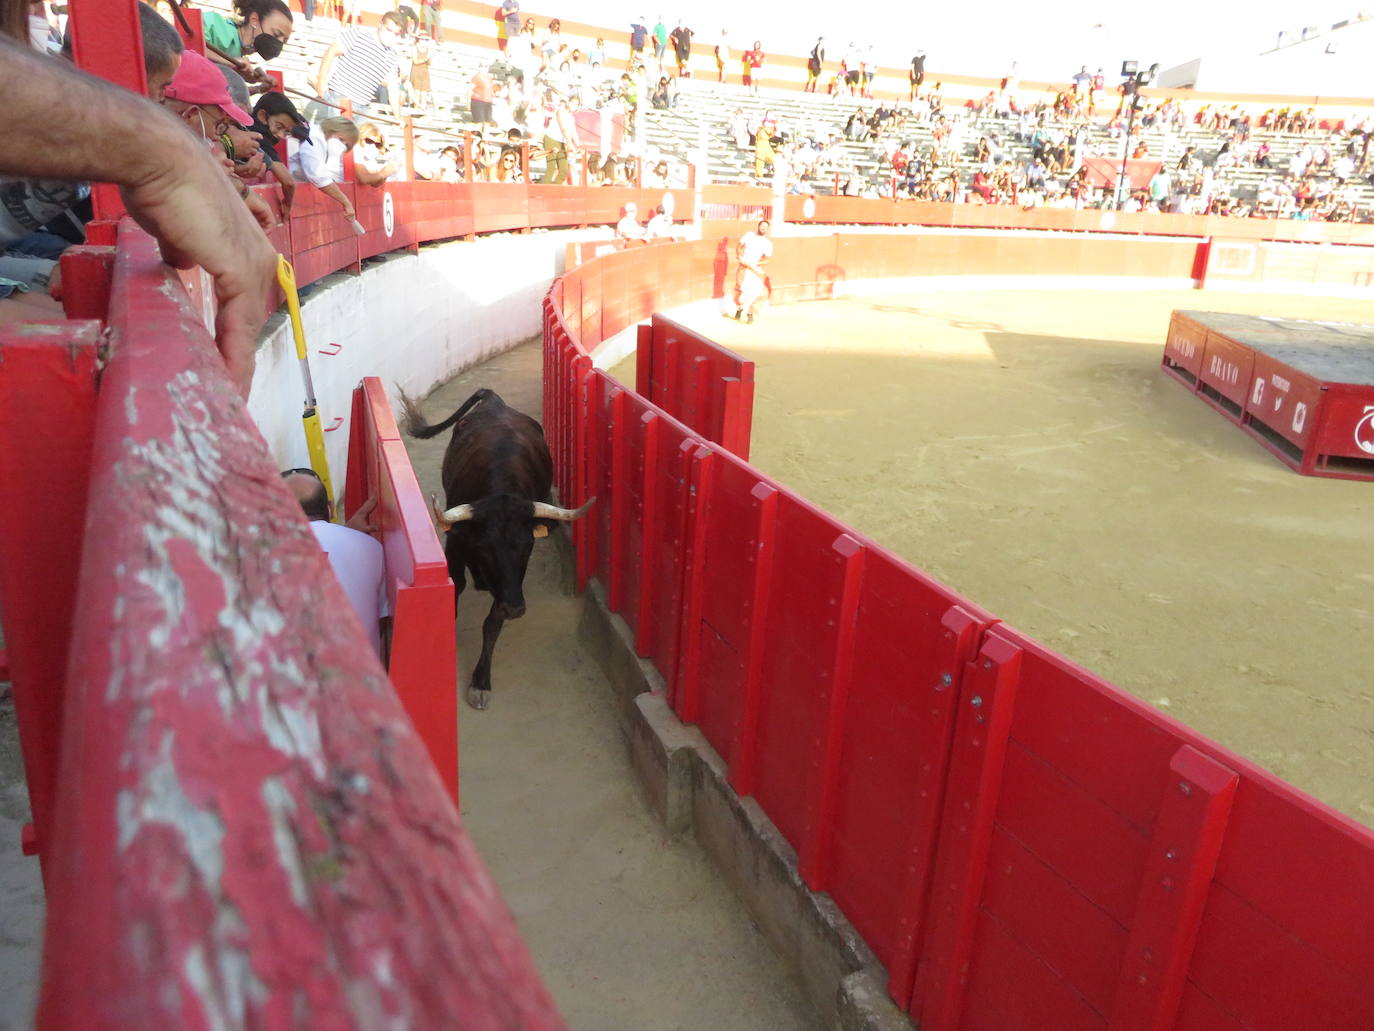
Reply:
x=540, y=530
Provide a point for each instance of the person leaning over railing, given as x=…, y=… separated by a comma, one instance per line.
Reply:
x=57, y=122
x=198, y=96
x=318, y=159
x=274, y=119
x=372, y=164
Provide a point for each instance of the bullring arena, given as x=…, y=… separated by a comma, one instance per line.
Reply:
x=927, y=656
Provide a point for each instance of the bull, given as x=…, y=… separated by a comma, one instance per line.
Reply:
x=497, y=473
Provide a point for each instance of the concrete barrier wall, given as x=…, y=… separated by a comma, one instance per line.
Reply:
x=413, y=321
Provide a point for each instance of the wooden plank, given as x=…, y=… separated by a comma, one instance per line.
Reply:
x=982, y=728
x=814, y=862
x=744, y=756
x=1183, y=855
x=47, y=429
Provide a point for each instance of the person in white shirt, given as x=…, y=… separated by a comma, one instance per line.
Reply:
x=751, y=282
x=355, y=557
x=628, y=228
x=660, y=226
x=319, y=161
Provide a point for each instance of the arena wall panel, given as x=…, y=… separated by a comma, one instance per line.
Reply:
x=1019, y=842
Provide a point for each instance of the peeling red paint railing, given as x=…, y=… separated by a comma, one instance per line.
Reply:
x=243, y=827
x=1019, y=842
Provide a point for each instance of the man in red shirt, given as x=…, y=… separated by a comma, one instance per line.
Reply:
x=753, y=61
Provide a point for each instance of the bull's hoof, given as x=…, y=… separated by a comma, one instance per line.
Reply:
x=478, y=698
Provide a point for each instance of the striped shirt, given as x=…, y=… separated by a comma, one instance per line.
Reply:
x=363, y=66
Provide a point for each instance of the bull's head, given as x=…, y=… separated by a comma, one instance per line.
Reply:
x=497, y=536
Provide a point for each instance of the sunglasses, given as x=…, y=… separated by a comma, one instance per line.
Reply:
x=300, y=472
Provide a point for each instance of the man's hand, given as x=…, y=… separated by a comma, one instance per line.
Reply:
x=262, y=211
x=361, y=520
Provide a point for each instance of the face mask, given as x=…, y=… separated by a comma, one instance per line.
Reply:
x=266, y=46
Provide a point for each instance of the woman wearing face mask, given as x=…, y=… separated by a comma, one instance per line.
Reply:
x=262, y=27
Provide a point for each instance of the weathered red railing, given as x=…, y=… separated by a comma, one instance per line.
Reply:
x=1020, y=843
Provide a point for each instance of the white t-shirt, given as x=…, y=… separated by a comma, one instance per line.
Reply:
x=360, y=568
x=318, y=163
x=754, y=248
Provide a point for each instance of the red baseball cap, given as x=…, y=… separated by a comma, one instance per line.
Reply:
x=199, y=82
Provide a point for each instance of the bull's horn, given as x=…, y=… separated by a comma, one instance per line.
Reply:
x=458, y=515
x=439, y=519
x=543, y=511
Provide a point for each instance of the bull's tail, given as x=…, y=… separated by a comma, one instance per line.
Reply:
x=416, y=424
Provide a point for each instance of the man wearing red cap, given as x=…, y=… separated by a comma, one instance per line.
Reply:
x=199, y=96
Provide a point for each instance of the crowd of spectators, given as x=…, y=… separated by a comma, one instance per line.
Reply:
x=1033, y=149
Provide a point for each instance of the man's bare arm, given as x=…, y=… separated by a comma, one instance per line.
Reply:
x=321, y=79
x=59, y=123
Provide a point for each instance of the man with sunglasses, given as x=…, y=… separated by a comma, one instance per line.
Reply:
x=199, y=96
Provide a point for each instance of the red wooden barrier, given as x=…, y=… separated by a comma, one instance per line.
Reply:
x=47, y=398
x=220, y=825
x=1020, y=843
x=422, y=662
x=707, y=387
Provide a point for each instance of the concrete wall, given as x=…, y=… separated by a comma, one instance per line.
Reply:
x=413, y=320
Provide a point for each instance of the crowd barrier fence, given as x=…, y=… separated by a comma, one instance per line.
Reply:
x=1018, y=841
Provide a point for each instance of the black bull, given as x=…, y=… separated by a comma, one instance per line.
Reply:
x=496, y=475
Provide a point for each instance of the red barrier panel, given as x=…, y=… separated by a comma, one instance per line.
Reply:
x=422, y=663
x=1020, y=843
x=47, y=398
x=235, y=770
x=707, y=387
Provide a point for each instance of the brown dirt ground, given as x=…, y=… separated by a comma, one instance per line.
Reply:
x=1025, y=448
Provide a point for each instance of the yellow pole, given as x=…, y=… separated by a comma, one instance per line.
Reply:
x=314, y=435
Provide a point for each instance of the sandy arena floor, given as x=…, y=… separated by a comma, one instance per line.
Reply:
x=1025, y=448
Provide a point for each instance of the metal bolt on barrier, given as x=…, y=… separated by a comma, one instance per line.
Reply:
x=1167, y=884
x=976, y=701
x=1171, y=855
x=946, y=679
x=1185, y=788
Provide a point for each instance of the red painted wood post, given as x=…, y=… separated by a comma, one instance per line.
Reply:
x=589, y=555
x=686, y=691
x=702, y=385
x=644, y=361
x=982, y=726
x=957, y=641
x=47, y=428
x=619, y=499
x=108, y=42
x=423, y=670
x=651, y=534
x=408, y=134
x=823, y=788
x=86, y=273
x=736, y=416
x=742, y=762
x=581, y=425
x=1188, y=835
